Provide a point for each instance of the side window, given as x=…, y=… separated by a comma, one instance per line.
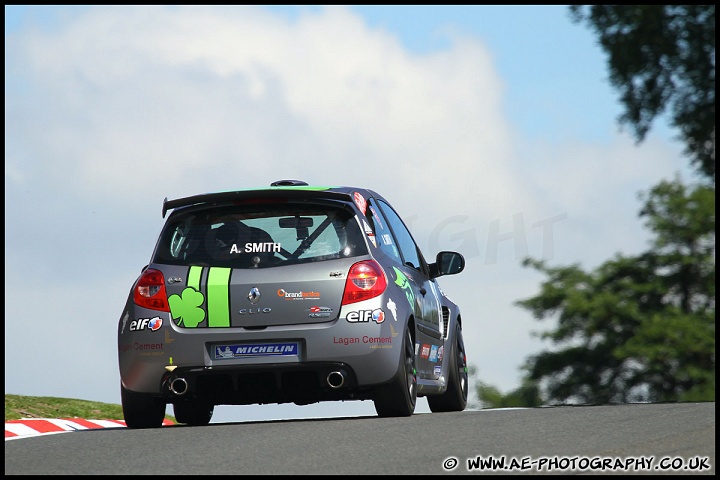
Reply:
x=406, y=244
x=383, y=235
x=181, y=241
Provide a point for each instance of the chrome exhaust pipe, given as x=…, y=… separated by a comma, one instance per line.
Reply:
x=178, y=386
x=336, y=379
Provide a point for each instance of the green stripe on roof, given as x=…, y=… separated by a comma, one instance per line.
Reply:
x=289, y=187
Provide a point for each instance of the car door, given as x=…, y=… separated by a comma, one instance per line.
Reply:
x=413, y=270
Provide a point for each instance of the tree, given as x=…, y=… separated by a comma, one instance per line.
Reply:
x=639, y=328
x=662, y=57
x=528, y=395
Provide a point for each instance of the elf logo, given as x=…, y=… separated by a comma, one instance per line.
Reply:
x=361, y=316
x=152, y=324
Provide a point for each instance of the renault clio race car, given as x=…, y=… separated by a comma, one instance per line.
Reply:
x=288, y=293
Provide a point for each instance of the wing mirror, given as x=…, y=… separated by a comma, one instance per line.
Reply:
x=447, y=263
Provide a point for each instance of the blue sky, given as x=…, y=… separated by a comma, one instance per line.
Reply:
x=492, y=129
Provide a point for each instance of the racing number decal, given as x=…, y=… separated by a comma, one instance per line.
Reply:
x=187, y=310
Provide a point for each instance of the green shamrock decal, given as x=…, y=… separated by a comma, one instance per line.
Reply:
x=403, y=282
x=186, y=308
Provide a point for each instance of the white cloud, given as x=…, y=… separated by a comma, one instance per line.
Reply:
x=196, y=99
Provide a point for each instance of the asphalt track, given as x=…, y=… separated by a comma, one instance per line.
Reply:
x=677, y=438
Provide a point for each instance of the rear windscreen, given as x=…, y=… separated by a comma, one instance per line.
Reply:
x=259, y=236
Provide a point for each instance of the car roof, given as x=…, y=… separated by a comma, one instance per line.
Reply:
x=292, y=189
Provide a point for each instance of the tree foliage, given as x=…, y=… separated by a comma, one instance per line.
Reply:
x=638, y=328
x=662, y=57
x=528, y=395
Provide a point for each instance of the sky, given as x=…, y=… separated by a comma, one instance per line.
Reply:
x=492, y=130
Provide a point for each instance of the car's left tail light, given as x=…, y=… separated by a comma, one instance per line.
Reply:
x=149, y=291
x=365, y=280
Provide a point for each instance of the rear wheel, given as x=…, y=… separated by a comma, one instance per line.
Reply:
x=398, y=398
x=193, y=413
x=455, y=397
x=141, y=410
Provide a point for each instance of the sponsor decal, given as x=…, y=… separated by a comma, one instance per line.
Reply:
x=404, y=283
x=377, y=218
x=152, y=324
x=346, y=340
x=437, y=370
x=386, y=239
x=362, y=316
x=360, y=202
x=434, y=353
x=124, y=321
x=298, y=295
x=153, y=353
x=440, y=353
x=256, y=350
x=393, y=308
x=425, y=350
x=365, y=339
x=317, y=312
x=394, y=334
x=142, y=348
x=261, y=247
x=369, y=232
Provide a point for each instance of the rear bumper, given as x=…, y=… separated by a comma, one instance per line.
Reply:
x=301, y=383
x=337, y=360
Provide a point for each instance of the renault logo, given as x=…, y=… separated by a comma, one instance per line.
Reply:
x=254, y=295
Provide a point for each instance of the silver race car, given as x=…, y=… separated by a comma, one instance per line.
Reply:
x=289, y=293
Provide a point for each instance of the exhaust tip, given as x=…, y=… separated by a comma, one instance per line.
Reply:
x=336, y=379
x=178, y=386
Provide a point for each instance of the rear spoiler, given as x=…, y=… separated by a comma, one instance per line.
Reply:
x=294, y=192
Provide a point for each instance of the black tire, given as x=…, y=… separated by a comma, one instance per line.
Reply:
x=398, y=398
x=193, y=413
x=141, y=410
x=455, y=397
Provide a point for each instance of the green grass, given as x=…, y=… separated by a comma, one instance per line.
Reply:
x=18, y=406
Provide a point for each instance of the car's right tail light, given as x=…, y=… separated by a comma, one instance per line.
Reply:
x=365, y=280
x=149, y=291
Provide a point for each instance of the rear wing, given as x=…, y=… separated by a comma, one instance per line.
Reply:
x=291, y=192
